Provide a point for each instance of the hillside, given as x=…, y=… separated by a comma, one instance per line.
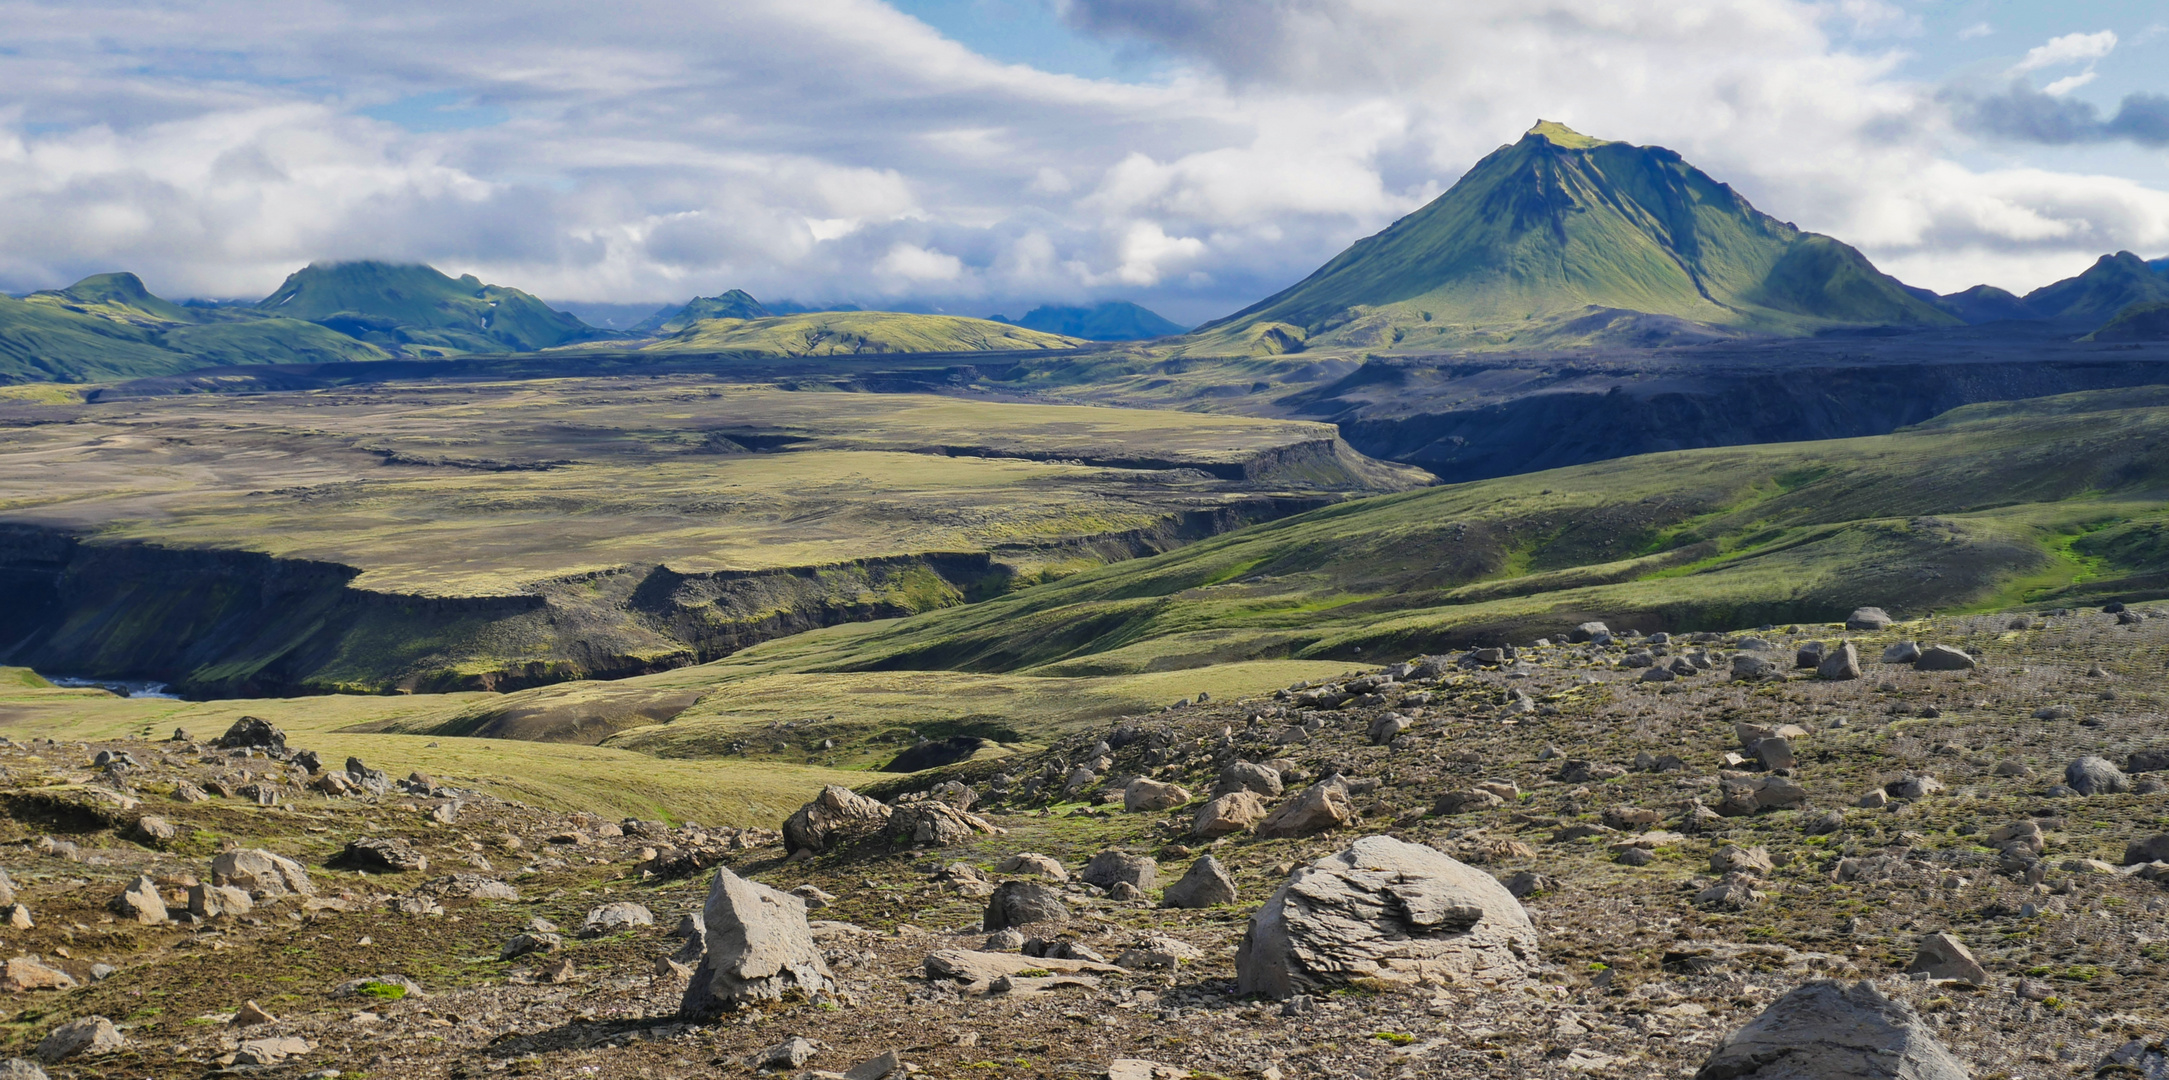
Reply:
x=848, y=333
x=2055, y=501
x=1567, y=239
x=1114, y=320
x=420, y=311
x=2089, y=300
x=108, y=326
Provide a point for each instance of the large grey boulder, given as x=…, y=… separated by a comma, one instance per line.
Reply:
x=1022, y=903
x=1867, y=618
x=837, y=815
x=1248, y=776
x=2154, y=848
x=1840, y=664
x=933, y=823
x=141, y=902
x=253, y=733
x=1943, y=658
x=1109, y=868
x=1595, y=632
x=261, y=874
x=1390, y=911
x=87, y=1037
x=1942, y=956
x=759, y=950
x=1206, y=885
x=1823, y=1030
x=1145, y=795
x=2092, y=775
x=1904, y=652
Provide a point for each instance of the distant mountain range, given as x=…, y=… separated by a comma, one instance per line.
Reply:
x=1561, y=239
x=1556, y=241
x=1115, y=320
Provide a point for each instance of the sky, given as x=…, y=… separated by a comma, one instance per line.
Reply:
x=986, y=156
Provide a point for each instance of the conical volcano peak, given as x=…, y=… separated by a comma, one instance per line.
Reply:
x=1564, y=137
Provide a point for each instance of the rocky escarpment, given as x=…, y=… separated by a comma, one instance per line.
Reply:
x=242, y=624
x=1467, y=419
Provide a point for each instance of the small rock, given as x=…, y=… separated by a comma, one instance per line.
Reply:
x=1321, y=806
x=523, y=944
x=1033, y=864
x=384, y=855
x=1867, y=618
x=791, y=1053
x=1235, y=812
x=1148, y=796
x=611, y=918
x=1842, y=664
x=1108, y=868
x=1735, y=859
x=251, y=1014
x=141, y=902
x=1904, y=652
x=22, y=973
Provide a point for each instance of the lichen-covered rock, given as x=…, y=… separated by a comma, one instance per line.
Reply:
x=1826, y=1029
x=1840, y=664
x=1942, y=956
x=759, y=949
x=140, y=901
x=1389, y=911
x=837, y=815
x=1034, y=864
x=22, y=973
x=2091, y=775
x=1943, y=658
x=89, y=1036
x=382, y=855
x=1867, y=618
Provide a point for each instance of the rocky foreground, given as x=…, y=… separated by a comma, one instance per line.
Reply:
x=1932, y=849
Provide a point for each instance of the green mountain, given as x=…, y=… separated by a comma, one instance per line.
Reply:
x=735, y=304
x=2139, y=322
x=851, y=333
x=108, y=326
x=1114, y=320
x=1556, y=228
x=1979, y=304
x=419, y=311
x=2113, y=283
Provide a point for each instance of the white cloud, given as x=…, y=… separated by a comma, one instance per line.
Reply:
x=2068, y=49
x=2068, y=83
x=1977, y=30
x=838, y=149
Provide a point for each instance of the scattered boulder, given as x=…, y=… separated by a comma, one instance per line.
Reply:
x=1459, y=802
x=1942, y=956
x=2153, y=849
x=1735, y=859
x=1321, y=806
x=1734, y=892
x=2092, y=775
x=1390, y=911
x=1943, y=658
x=382, y=855
x=22, y=973
x=1034, y=864
x=837, y=815
x=1110, y=868
x=89, y=1036
x=933, y=823
x=791, y=1053
x=1022, y=903
x=1842, y=664
x=253, y=733
x=1593, y=632
x=21, y=1069
x=1750, y=666
x=1246, y=776
x=218, y=901
x=625, y=915
x=530, y=942
x=141, y=902
x=155, y=831
x=1913, y=786
x=1207, y=884
x=1904, y=652
x=1867, y=618
x=1809, y=655
x=1234, y=812
x=270, y=1051
x=1147, y=796
x=251, y=1014
x=1827, y=1029
x=759, y=949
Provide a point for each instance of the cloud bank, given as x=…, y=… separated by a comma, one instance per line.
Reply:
x=841, y=150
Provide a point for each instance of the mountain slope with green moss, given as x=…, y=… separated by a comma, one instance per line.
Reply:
x=421, y=311
x=1559, y=238
x=108, y=326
